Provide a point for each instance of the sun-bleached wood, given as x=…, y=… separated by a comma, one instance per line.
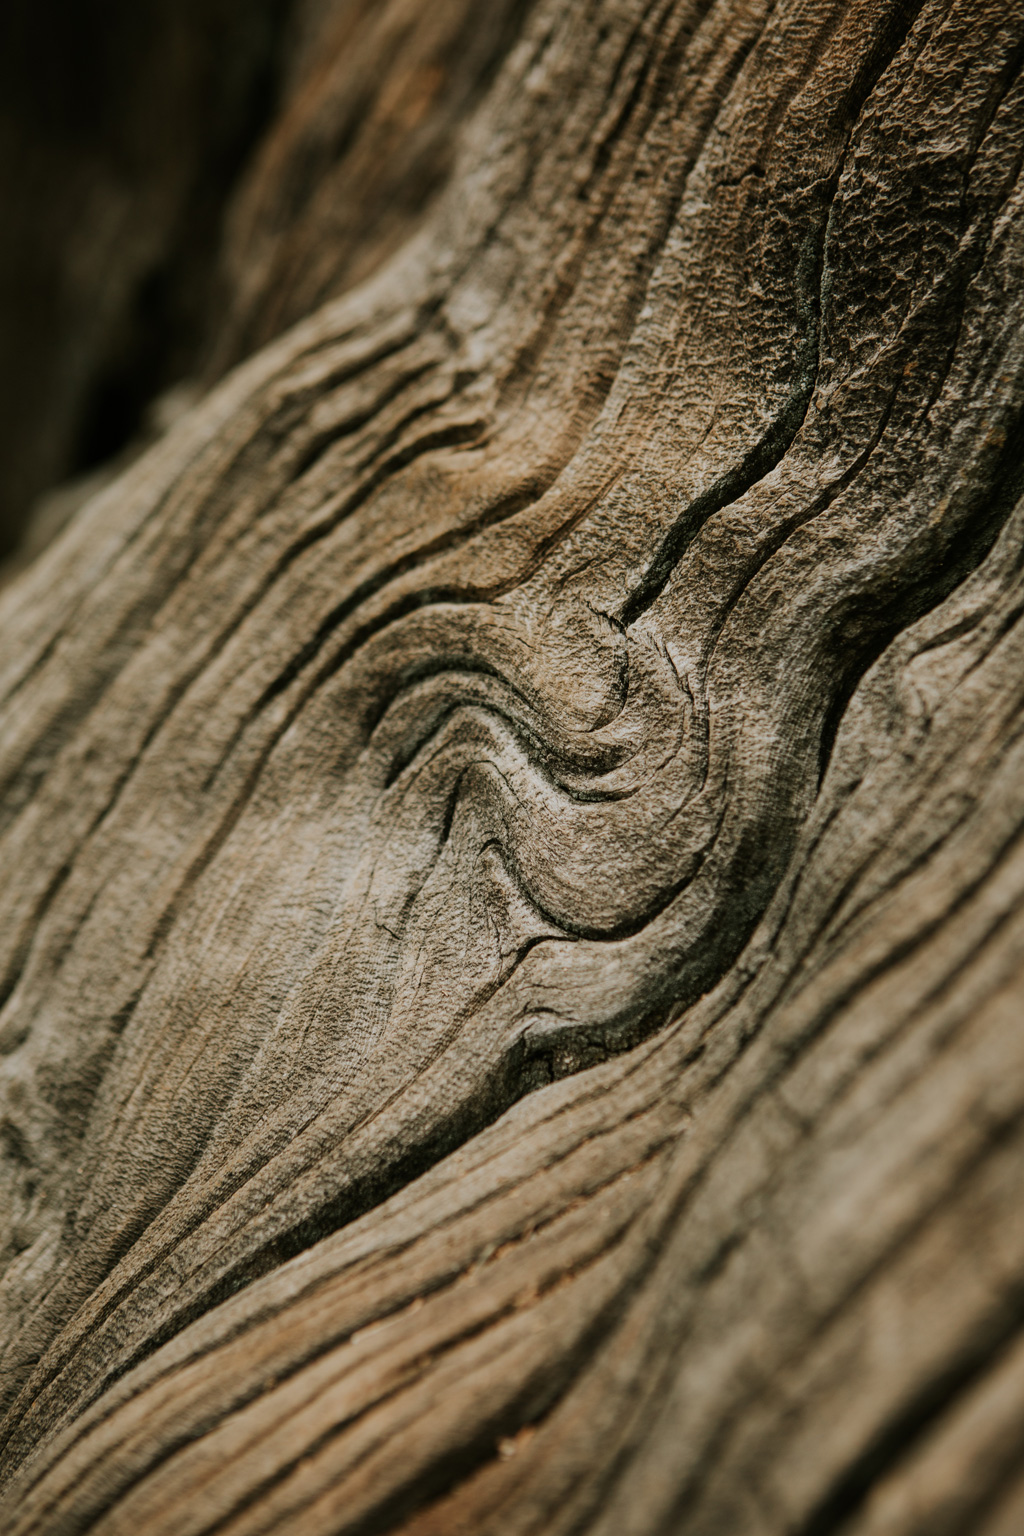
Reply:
x=513, y=980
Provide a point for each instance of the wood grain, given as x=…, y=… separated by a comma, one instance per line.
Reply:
x=513, y=977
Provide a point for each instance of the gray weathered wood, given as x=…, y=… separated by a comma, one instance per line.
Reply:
x=514, y=925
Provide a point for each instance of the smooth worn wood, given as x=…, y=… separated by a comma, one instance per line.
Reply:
x=513, y=812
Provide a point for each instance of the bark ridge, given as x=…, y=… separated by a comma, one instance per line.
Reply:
x=512, y=993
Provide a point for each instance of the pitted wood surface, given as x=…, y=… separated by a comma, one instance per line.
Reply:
x=513, y=984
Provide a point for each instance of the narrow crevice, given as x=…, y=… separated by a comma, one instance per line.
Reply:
x=755, y=464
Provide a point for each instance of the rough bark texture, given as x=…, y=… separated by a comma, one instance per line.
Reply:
x=365, y=137
x=515, y=975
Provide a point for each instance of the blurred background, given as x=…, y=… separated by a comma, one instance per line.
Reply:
x=182, y=179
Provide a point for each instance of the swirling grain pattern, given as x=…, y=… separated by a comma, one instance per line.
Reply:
x=512, y=990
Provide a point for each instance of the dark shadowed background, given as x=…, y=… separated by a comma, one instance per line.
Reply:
x=182, y=179
x=123, y=127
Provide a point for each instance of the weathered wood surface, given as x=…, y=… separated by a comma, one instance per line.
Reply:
x=367, y=129
x=514, y=925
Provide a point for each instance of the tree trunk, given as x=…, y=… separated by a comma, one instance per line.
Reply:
x=514, y=973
